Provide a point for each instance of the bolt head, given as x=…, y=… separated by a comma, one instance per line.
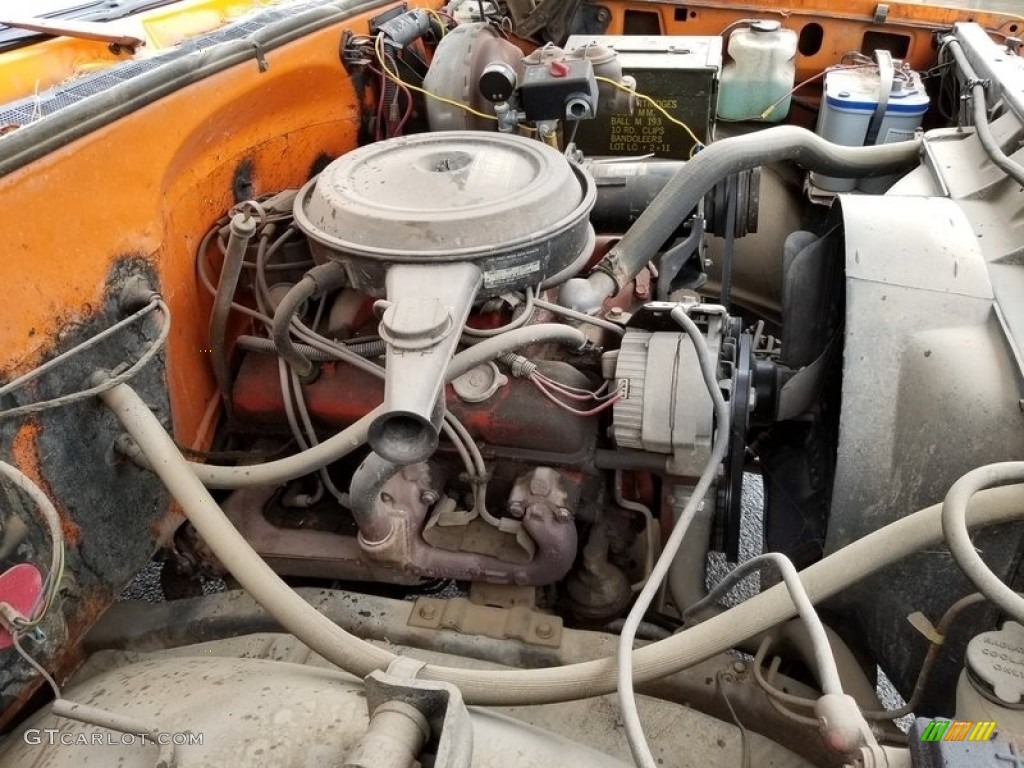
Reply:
x=539, y=486
x=428, y=612
x=545, y=630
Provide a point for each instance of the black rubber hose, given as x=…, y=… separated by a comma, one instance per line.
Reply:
x=319, y=279
x=390, y=90
x=712, y=164
x=979, y=106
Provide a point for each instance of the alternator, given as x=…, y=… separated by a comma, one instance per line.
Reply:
x=664, y=406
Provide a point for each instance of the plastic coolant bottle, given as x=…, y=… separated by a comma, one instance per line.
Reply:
x=761, y=71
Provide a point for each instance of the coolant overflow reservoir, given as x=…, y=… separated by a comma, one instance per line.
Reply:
x=991, y=686
x=760, y=72
x=995, y=665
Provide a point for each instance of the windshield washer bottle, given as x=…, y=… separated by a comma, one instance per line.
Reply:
x=761, y=71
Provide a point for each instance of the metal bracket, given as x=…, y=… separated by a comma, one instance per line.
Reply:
x=440, y=704
x=886, y=80
x=465, y=617
x=261, y=58
x=672, y=261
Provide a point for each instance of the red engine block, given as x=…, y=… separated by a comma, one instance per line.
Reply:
x=517, y=416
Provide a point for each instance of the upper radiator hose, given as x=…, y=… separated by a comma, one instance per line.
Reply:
x=695, y=179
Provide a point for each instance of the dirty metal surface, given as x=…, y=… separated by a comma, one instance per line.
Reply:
x=113, y=514
x=517, y=416
x=462, y=615
x=133, y=628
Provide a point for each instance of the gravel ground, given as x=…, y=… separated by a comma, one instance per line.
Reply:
x=146, y=585
x=751, y=543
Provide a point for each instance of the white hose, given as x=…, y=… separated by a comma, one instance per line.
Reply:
x=954, y=528
x=230, y=547
x=627, y=700
x=51, y=518
x=282, y=470
x=536, y=686
x=824, y=660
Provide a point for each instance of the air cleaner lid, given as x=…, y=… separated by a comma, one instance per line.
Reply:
x=454, y=194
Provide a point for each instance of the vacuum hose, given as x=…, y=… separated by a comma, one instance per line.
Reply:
x=695, y=179
x=320, y=279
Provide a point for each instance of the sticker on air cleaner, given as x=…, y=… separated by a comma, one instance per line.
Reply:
x=504, y=275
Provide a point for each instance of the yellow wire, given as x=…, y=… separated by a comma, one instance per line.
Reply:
x=394, y=77
x=439, y=20
x=644, y=97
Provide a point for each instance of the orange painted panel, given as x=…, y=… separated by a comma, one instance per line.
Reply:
x=150, y=185
x=844, y=23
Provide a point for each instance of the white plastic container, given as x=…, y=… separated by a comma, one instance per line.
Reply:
x=851, y=98
x=761, y=71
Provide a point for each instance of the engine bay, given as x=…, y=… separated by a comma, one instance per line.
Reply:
x=511, y=395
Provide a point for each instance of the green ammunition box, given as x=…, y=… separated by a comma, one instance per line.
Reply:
x=679, y=73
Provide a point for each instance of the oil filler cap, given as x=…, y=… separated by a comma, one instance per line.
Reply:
x=477, y=385
x=995, y=664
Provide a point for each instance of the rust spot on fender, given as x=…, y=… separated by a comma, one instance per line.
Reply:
x=24, y=451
